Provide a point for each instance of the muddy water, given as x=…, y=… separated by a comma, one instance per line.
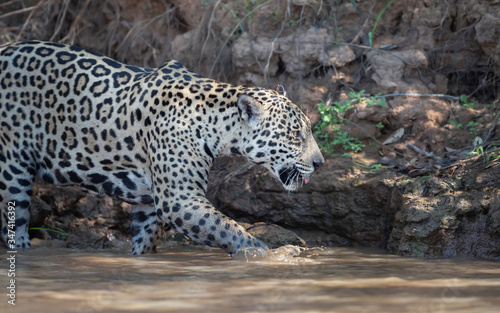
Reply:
x=199, y=279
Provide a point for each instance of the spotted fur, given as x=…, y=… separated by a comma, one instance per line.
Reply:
x=146, y=136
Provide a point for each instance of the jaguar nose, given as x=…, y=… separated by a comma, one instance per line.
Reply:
x=317, y=164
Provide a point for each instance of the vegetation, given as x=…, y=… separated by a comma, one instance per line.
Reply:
x=333, y=138
x=55, y=230
x=329, y=131
x=466, y=103
x=372, y=33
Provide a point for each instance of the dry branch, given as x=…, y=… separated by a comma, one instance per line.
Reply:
x=20, y=11
x=232, y=33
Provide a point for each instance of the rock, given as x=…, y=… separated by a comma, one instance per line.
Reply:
x=430, y=216
x=369, y=111
x=183, y=45
x=91, y=220
x=303, y=50
x=495, y=222
x=337, y=56
x=417, y=115
x=309, y=98
x=388, y=70
x=274, y=235
x=445, y=226
x=487, y=34
x=414, y=60
x=186, y=8
x=252, y=55
x=359, y=211
x=363, y=130
x=441, y=83
x=438, y=218
x=312, y=95
x=39, y=211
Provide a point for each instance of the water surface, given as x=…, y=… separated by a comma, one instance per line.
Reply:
x=201, y=279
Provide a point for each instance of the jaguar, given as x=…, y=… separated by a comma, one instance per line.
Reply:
x=145, y=136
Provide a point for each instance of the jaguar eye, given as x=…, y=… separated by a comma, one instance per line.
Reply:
x=298, y=134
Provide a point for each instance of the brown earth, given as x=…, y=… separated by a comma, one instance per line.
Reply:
x=421, y=195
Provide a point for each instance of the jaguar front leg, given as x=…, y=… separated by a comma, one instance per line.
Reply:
x=199, y=220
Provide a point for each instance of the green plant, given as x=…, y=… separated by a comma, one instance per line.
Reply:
x=248, y=9
x=52, y=229
x=472, y=127
x=371, y=34
x=492, y=106
x=328, y=132
x=493, y=155
x=329, y=126
x=375, y=167
x=456, y=124
x=379, y=125
x=355, y=96
x=376, y=100
x=347, y=142
x=329, y=140
x=422, y=179
x=478, y=151
x=465, y=103
x=233, y=15
x=7, y=38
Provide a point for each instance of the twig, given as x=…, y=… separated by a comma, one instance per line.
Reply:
x=437, y=95
x=483, y=83
x=422, y=152
x=209, y=27
x=298, y=46
x=365, y=22
x=72, y=30
x=20, y=11
x=60, y=19
x=334, y=16
x=231, y=34
x=25, y=25
x=146, y=25
x=489, y=132
x=113, y=26
x=8, y=3
x=268, y=62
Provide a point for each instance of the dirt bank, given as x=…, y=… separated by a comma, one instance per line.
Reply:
x=349, y=63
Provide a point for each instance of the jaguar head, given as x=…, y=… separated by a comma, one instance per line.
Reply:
x=280, y=136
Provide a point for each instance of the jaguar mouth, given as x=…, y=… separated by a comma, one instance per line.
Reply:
x=292, y=178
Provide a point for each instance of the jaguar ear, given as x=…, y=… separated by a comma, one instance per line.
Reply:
x=250, y=110
x=280, y=89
